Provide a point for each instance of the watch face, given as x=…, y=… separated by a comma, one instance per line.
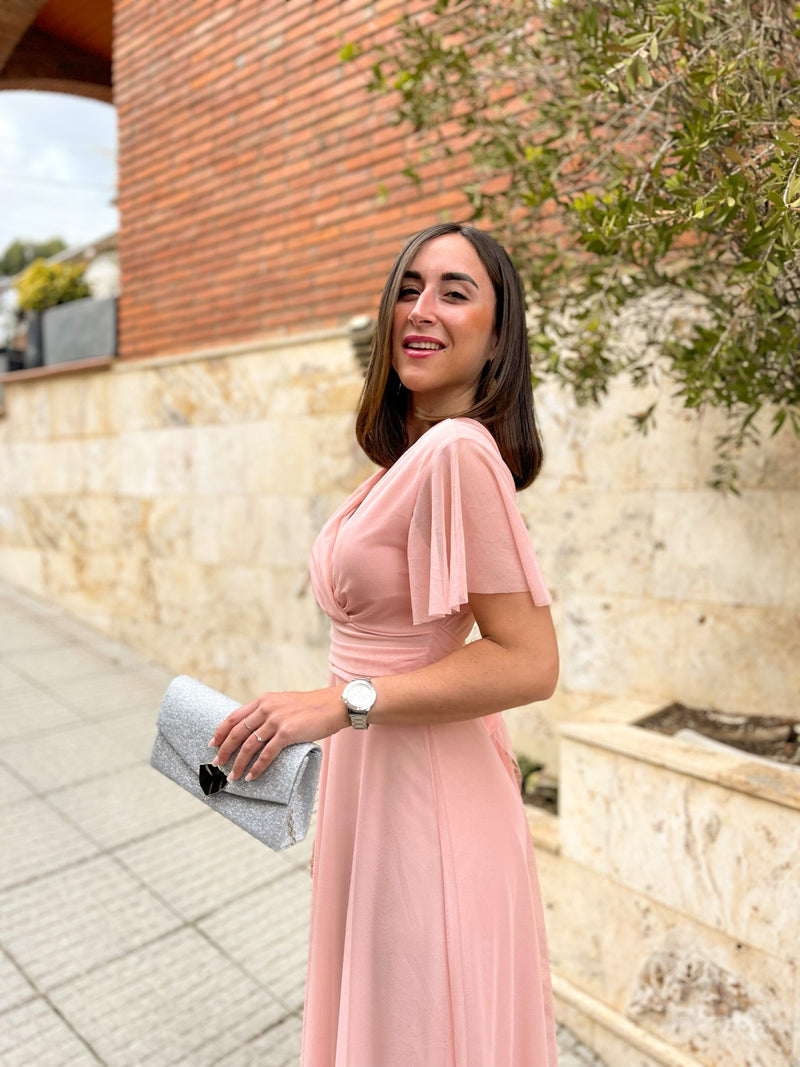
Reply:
x=360, y=695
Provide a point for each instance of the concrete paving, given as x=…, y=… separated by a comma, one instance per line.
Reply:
x=136, y=926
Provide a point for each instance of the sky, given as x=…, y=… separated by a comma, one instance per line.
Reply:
x=57, y=167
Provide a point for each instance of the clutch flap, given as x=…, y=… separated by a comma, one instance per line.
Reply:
x=190, y=713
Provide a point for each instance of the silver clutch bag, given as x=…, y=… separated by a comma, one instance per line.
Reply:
x=275, y=808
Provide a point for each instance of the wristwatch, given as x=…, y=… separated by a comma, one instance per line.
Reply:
x=359, y=695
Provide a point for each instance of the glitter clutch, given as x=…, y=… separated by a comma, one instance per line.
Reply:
x=275, y=808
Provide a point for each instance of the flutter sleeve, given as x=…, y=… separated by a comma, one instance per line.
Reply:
x=466, y=533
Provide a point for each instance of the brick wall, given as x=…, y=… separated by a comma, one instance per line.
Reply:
x=249, y=164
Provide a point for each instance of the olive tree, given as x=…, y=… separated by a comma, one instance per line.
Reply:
x=641, y=161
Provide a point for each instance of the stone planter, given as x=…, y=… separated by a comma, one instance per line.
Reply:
x=672, y=884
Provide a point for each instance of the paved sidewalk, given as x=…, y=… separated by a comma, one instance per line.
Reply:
x=136, y=926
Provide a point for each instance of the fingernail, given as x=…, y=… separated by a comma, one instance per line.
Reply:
x=248, y=777
x=215, y=761
x=232, y=777
x=211, y=743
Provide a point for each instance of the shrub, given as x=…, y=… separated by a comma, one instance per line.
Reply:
x=44, y=285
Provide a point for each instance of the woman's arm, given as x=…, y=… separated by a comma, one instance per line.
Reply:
x=514, y=662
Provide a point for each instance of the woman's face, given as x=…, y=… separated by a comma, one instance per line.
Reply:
x=443, y=329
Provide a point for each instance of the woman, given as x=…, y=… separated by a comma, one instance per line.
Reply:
x=427, y=942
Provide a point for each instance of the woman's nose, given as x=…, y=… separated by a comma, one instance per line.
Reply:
x=423, y=309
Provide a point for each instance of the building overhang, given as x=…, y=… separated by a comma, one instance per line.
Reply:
x=57, y=46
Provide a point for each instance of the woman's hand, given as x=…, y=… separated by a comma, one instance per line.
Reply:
x=260, y=729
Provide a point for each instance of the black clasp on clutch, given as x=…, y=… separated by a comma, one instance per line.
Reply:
x=212, y=779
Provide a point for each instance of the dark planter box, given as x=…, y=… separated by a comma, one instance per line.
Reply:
x=81, y=329
x=34, y=345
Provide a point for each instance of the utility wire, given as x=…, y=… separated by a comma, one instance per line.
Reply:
x=33, y=179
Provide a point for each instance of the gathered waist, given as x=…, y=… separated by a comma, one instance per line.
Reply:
x=357, y=651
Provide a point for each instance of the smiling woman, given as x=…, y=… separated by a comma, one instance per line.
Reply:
x=427, y=938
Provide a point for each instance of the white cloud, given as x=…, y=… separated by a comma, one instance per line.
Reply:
x=57, y=167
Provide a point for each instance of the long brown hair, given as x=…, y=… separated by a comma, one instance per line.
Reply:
x=504, y=396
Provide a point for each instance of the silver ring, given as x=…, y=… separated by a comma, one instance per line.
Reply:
x=263, y=740
x=247, y=724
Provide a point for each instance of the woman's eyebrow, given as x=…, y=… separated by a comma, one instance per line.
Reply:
x=448, y=276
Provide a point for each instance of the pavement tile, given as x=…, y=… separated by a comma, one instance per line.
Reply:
x=135, y=730
x=34, y=1035
x=202, y=864
x=12, y=789
x=58, y=663
x=15, y=988
x=128, y=804
x=176, y=1001
x=21, y=632
x=266, y=932
x=64, y=757
x=36, y=841
x=69, y=922
x=27, y=710
x=105, y=696
x=277, y=1047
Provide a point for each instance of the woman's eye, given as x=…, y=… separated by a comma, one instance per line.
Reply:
x=407, y=291
x=455, y=294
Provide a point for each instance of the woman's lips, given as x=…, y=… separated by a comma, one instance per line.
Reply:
x=421, y=347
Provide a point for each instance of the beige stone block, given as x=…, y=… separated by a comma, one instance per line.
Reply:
x=134, y=402
x=84, y=524
x=167, y=526
x=724, y=857
x=297, y=619
x=98, y=586
x=710, y=996
x=70, y=402
x=28, y=407
x=725, y=549
x=58, y=467
x=276, y=667
x=23, y=567
x=155, y=462
x=671, y=650
x=279, y=456
x=738, y=658
x=136, y=463
x=17, y=471
x=211, y=602
x=590, y=540
x=271, y=381
x=203, y=392
x=100, y=460
x=789, y=510
x=620, y=645
x=218, y=459
x=588, y=447
x=98, y=413
x=265, y=531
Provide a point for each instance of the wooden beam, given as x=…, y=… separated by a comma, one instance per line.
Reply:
x=42, y=61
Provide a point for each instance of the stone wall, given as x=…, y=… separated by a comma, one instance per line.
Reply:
x=670, y=881
x=173, y=504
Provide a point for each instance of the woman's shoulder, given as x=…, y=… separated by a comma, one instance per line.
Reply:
x=462, y=444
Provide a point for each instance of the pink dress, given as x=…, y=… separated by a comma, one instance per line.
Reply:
x=427, y=944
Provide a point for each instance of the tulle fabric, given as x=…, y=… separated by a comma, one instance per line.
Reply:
x=427, y=943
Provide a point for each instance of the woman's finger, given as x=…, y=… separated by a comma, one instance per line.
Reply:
x=267, y=755
x=238, y=736
x=248, y=751
x=231, y=721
